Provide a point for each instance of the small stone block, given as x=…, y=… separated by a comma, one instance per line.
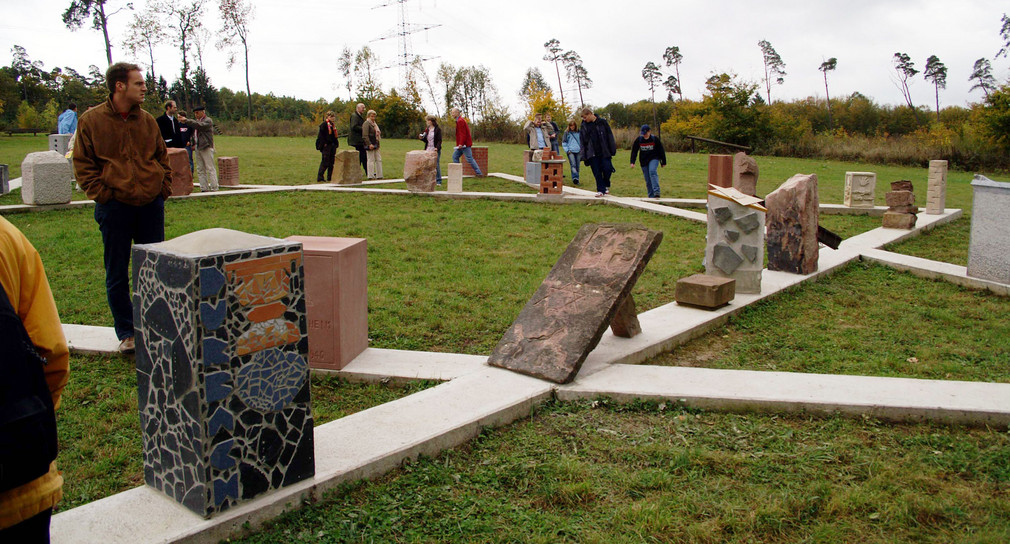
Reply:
x=347, y=167
x=936, y=187
x=46, y=179
x=904, y=209
x=894, y=220
x=182, y=176
x=533, y=172
x=455, y=184
x=901, y=185
x=5, y=179
x=745, y=174
x=860, y=188
x=59, y=143
x=899, y=198
x=227, y=171
x=625, y=323
x=705, y=291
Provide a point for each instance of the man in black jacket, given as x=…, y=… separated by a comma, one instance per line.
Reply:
x=169, y=126
x=598, y=146
x=354, y=138
x=327, y=144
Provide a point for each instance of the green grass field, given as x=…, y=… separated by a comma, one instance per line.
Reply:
x=451, y=275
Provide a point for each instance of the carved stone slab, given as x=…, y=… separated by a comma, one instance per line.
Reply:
x=860, y=189
x=989, y=248
x=745, y=174
x=419, y=171
x=792, y=225
x=936, y=187
x=570, y=311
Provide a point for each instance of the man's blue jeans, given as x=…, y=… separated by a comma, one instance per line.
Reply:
x=123, y=225
x=465, y=151
x=650, y=171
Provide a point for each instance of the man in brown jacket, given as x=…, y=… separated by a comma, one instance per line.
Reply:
x=120, y=161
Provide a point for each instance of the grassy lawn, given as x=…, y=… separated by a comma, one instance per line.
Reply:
x=451, y=275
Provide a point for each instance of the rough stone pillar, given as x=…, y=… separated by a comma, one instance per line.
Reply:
x=901, y=208
x=346, y=167
x=455, y=183
x=419, y=171
x=46, y=179
x=860, y=188
x=745, y=174
x=793, y=211
x=989, y=248
x=222, y=370
x=736, y=238
x=936, y=188
x=720, y=170
x=59, y=143
x=182, y=176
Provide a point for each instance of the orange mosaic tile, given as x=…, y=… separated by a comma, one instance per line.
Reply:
x=268, y=312
x=269, y=334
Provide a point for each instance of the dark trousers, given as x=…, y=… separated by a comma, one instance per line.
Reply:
x=602, y=167
x=34, y=530
x=326, y=165
x=362, y=157
x=123, y=225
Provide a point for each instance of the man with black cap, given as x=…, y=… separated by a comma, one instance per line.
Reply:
x=204, y=127
x=653, y=156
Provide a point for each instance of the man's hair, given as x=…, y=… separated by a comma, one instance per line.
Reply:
x=72, y=106
x=359, y=106
x=454, y=110
x=540, y=115
x=169, y=103
x=119, y=73
x=586, y=111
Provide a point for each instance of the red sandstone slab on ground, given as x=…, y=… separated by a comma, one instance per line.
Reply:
x=568, y=314
x=336, y=298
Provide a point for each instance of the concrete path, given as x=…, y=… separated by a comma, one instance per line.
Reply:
x=926, y=268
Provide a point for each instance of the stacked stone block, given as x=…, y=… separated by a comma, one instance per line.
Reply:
x=222, y=370
x=901, y=210
x=720, y=170
x=736, y=238
x=792, y=218
x=182, y=176
x=227, y=171
x=480, y=156
x=46, y=179
x=989, y=246
x=860, y=189
x=936, y=188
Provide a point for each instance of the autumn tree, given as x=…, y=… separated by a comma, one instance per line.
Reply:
x=143, y=33
x=345, y=63
x=981, y=74
x=936, y=73
x=364, y=70
x=186, y=18
x=79, y=11
x=554, y=55
x=420, y=75
x=774, y=67
x=826, y=67
x=576, y=73
x=1004, y=33
x=235, y=18
x=652, y=76
x=673, y=57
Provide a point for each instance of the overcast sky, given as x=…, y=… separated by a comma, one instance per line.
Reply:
x=294, y=44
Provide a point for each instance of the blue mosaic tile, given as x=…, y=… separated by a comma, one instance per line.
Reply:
x=211, y=282
x=213, y=315
x=217, y=386
x=225, y=489
x=221, y=419
x=220, y=458
x=214, y=352
x=271, y=380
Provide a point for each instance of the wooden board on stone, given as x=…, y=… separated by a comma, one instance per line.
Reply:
x=572, y=308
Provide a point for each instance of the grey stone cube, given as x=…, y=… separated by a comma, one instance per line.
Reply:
x=46, y=179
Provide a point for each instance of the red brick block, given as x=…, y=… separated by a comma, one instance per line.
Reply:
x=479, y=155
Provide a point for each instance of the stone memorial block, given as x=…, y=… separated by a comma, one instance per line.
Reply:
x=720, y=170
x=860, y=189
x=570, y=311
x=227, y=171
x=989, y=245
x=182, y=176
x=736, y=238
x=222, y=370
x=901, y=207
x=419, y=171
x=480, y=157
x=46, y=179
x=936, y=188
x=5, y=179
x=792, y=218
x=336, y=298
x=60, y=143
x=745, y=174
x=533, y=172
x=455, y=183
x=347, y=167
x=704, y=291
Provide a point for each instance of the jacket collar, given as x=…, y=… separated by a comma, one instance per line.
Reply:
x=111, y=108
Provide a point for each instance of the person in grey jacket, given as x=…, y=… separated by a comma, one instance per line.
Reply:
x=538, y=133
x=204, y=127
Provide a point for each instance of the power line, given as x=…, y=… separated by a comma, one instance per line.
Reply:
x=403, y=30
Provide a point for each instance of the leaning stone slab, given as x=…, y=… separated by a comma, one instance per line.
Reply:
x=989, y=246
x=936, y=187
x=419, y=171
x=568, y=314
x=859, y=189
x=745, y=174
x=222, y=370
x=736, y=238
x=46, y=179
x=182, y=176
x=346, y=167
x=792, y=225
x=455, y=183
x=704, y=291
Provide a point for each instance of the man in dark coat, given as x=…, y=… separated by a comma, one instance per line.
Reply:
x=169, y=126
x=598, y=146
x=354, y=138
x=327, y=144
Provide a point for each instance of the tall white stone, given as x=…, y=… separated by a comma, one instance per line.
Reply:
x=46, y=179
x=936, y=188
x=455, y=184
x=989, y=248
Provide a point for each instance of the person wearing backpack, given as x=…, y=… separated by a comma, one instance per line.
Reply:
x=33, y=372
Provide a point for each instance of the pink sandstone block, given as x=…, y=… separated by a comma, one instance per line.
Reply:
x=336, y=298
x=227, y=171
x=182, y=176
x=720, y=170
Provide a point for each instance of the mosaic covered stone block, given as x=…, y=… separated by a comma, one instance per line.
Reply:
x=336, y=298
x=222, y=369
x=989, y=246
x=736, y=238
x=860, y=189
x=936, y=188
x=46, y=178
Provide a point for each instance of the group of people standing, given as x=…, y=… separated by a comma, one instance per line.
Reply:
x=365, y=136
x=197, y=134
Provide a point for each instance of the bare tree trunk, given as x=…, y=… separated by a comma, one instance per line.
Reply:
x=560, y=90
x=245, y=47
x=105, y=32
x=831, y=124
x=937, y=87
